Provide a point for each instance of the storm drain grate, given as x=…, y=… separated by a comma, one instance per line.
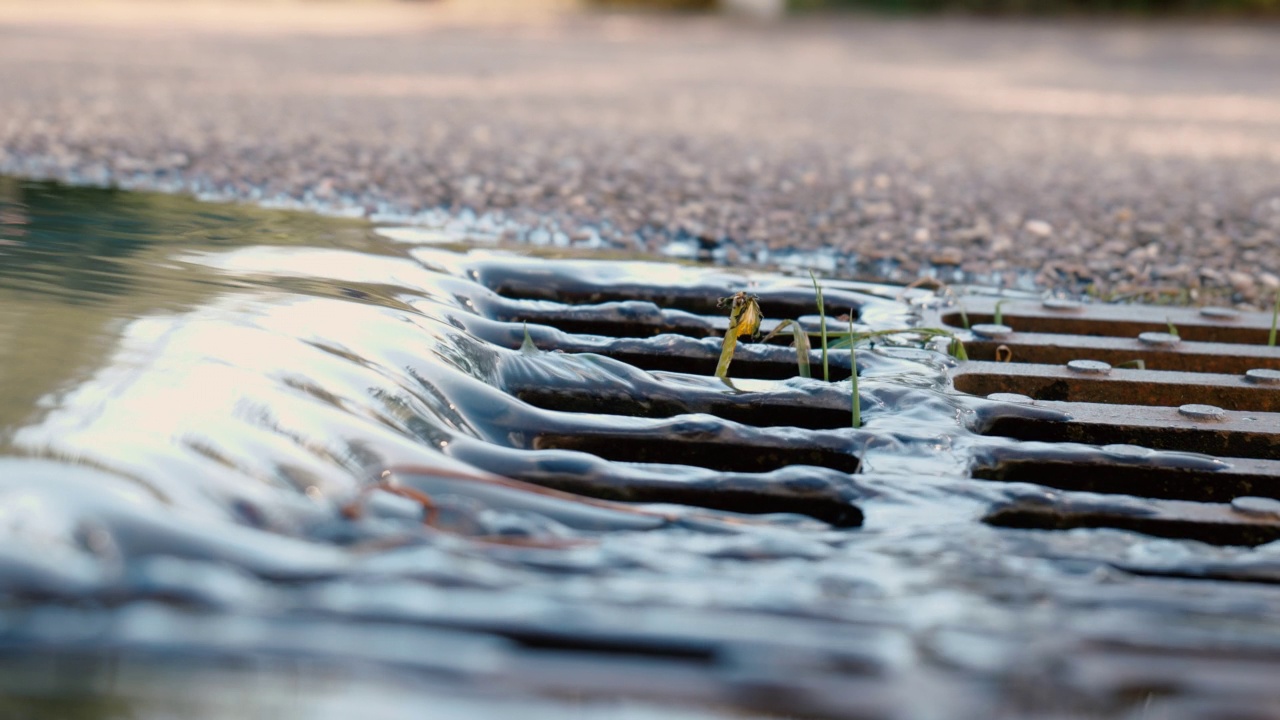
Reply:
x=1115, y=381
x=1182, y=379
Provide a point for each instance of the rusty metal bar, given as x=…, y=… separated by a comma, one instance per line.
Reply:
x=1222, y=358
x=1212, y=523
x=1095, y=384
x=1231, y=433
x=1212, y=325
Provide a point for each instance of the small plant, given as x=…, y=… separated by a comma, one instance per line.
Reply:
x=800, y=343
x=528, y=347
x=744, y=319
x=855, y=400
x=1138, y=363
x=998, y=314
x=822, y=315
x=1275, y=315
x=1173, y=329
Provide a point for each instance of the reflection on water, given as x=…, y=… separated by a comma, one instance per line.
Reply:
x=77, y=264
x=199, y=404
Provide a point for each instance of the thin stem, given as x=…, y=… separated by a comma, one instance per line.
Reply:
x=855, y=399
x=1275, y=314
x=822, y=315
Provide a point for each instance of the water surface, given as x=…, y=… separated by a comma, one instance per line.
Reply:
x=198, y=404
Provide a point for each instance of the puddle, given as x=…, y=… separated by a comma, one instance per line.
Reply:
x=198, y=402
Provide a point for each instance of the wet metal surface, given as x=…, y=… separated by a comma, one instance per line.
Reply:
x=211, y=440
x=1096, y=382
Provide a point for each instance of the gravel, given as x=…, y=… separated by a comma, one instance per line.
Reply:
x=1136, y=158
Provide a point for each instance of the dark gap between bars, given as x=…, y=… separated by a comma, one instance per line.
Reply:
x=724, y=457
x=1149, y=481
x=1209, y=440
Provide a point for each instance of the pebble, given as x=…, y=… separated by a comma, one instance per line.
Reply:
x=1038, y=228
x=947, y=256
x=1242, y=282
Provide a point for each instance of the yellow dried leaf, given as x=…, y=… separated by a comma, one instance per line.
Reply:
x=744, y=319
x=749, y=318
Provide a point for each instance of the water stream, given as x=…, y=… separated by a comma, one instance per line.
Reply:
x=199, y=404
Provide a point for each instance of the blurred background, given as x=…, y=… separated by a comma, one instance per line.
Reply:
x=775, y=8
x=1074, y=144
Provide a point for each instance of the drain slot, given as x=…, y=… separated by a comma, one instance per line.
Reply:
x=762, y=412
x=1244, y=477
x=1209, y=523
x=776, y=301
x=585, y=324
x=752, y=361
x=729, y=495
x=699, y=301
x=722, y=456
x=578, y=323
x=743, y=367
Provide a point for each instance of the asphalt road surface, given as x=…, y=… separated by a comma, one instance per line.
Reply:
x=1129, y=155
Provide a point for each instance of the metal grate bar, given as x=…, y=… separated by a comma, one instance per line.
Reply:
x=1212, y=523
x=1209, y=325
x=1119, y=386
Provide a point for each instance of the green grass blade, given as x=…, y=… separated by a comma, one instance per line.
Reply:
x=822, y=314
x=730, y=342
x=1275, y=314
x=726, y=352
x=781, y=326
x=998, y=317
x=957, y=350
x=801, y=344
x=528, y=347
x=1173, y=330
x=855, y=400
x=803, y=350
x=844, y=342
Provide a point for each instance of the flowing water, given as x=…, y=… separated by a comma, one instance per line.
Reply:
x=222, y=429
